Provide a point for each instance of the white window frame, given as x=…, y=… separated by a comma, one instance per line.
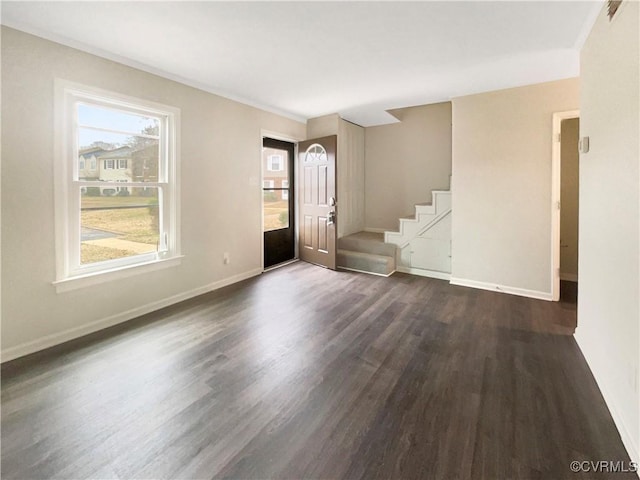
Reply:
x=93, y=163
x=285, y=193
x=109, y=164
x=270, y=161
x=120, y=162
x=70, y=273
x=268, y=184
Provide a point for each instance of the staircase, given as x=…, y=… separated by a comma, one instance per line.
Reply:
x=424, y=240
x=366, y=252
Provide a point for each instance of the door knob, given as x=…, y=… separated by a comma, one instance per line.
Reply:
x=332, y=201
x=332, y=218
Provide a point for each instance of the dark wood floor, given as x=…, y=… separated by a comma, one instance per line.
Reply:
x=309, y=373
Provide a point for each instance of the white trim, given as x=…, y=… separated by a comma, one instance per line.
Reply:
x=102, y=276
x=422, y=230
x=425, y=273
x=600, y=377
x=569, y=277
x=365, y=271
x=76, y=332
x=278, y=136
x=375, y=230
x=555, y=198
x=66, y=181
x=521, y=292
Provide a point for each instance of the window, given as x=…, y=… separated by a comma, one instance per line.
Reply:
x=274, y=163
x=93, y=163
x=285, y=193
x=128, y=214
x=268, y=183
x=81, y=165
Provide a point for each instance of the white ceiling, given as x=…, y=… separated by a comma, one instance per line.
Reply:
x=306, y=59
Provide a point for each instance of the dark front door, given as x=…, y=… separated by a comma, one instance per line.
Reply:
x=317, y=174
x=278, y=201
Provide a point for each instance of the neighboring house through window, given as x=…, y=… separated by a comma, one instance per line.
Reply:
x=285, y=193
x=126, y=215
x=274, y=163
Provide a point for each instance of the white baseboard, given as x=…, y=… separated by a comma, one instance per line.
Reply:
x=376, y=230
x=76, y=332
x=365, y=271
x=522, y=292
x=600, y=378
x=569, y=277
x=425, y=273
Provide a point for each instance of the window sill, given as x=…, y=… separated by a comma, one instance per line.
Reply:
x=82, y=281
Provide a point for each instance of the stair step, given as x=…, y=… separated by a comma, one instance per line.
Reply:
x=367, y=242
x=366, y=262
x=425, y=213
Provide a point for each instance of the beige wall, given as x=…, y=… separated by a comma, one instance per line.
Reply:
x=220, y=202
x=323, y=126
x=351, y=175
x=569, y=199
x=350, y=169
x=405, y=161
x=609, y=264
x=501, y=192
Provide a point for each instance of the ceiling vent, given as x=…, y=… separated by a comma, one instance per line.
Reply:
x=612, y=8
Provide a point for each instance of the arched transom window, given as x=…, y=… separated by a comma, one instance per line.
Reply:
x=315, y=154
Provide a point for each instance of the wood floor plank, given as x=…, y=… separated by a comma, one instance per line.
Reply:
x=309, y=373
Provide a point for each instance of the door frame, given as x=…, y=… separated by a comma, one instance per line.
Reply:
x=258, y=183
x=556, y=188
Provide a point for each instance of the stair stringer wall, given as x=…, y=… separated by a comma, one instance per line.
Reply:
x=424, y=243
x=428, y=253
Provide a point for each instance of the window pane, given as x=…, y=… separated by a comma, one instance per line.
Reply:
x=100, y=117
x=110, y=157
x=275, y=163
x=276, y=210
x=118, y=222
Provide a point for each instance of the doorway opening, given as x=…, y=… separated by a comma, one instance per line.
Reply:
x=566, y=205
x=278, y=205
